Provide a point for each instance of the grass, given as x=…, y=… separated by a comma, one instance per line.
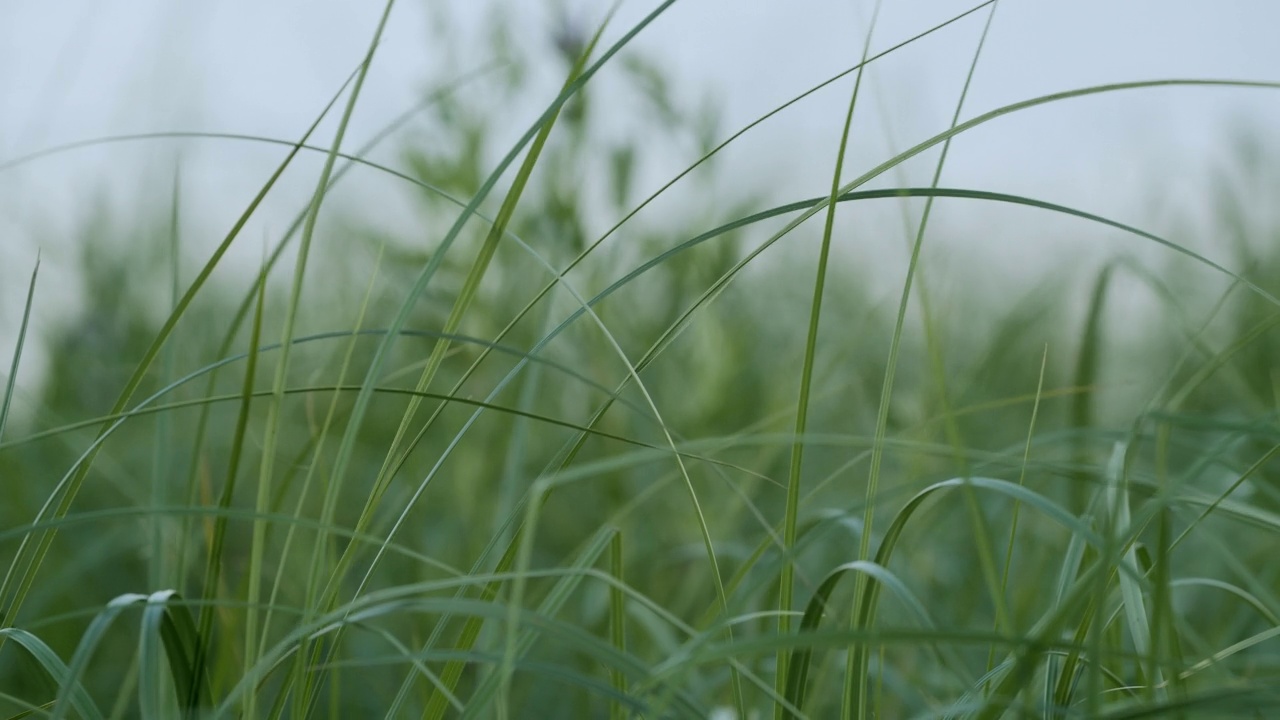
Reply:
x=513, y=466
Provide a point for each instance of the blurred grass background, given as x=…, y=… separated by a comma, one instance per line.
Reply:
x=1136, y=398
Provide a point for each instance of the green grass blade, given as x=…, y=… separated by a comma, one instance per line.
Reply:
x=786, y=582
x=271, y=431
x=17, y=356
x=1133, y=601
x=820, y=605
x=69, y=686
x=20, y=576
x=617, y=621
x=167, y=623
x=213, y=566
x=521, y=641
x=461, y=304
x=857, y=676
x=89, y=642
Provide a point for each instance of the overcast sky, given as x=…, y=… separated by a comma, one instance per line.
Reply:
x=71, y=70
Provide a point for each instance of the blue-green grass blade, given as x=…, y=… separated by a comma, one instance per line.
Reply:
x=58, y=672
x=88, y=644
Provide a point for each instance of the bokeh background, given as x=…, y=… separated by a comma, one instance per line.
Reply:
x=134, y=134
x=83, y=69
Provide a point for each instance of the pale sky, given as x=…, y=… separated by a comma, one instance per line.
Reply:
x=71, y=70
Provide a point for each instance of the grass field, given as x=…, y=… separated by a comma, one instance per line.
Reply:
x=514, y=466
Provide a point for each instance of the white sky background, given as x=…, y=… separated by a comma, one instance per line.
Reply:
x=77, y=69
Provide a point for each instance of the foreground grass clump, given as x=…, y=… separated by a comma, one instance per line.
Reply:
x=516, y=465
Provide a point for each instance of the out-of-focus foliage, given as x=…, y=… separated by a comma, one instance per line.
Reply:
x=661, y=368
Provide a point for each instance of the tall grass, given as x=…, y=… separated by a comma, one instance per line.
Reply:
x=515, y=464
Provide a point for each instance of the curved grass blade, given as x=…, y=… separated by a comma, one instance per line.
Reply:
x=1244, y=702
x=414, y=597
x=819, y=605
x=742, y=222
x=380, y=356
x=18, y=579
x=88, y=644
x=1267, y=613
x=394, y=456
x=867, y=599
x=811, y=206
x=167, y=622
x=857, y=675
x=504, y=562
x=58, y=672
x=147, y=407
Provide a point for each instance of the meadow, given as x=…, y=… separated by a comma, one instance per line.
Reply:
x=689, y=465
